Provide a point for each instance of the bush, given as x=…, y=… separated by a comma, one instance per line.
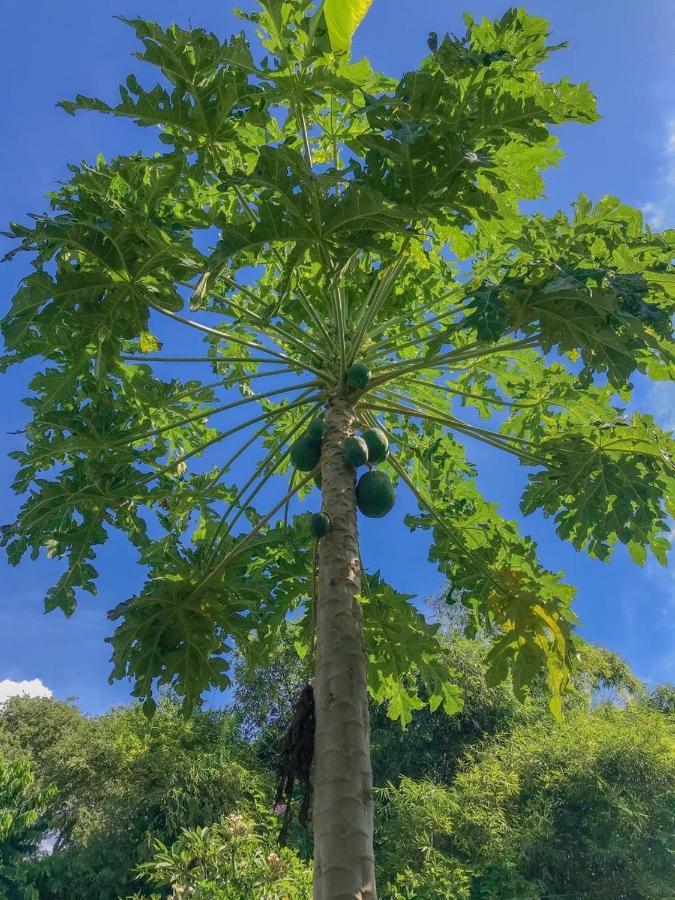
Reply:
x=230, y=860
x=125, y=780
x=22, y=827
x=582, y=809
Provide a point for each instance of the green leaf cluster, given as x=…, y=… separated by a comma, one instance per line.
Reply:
x=23, y=825
x=497, y=800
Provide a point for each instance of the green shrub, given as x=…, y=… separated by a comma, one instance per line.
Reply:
x=583, y=808
x=22, y=828
x=231, y=860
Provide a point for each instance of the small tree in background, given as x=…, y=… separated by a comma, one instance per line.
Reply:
x=121, y=782
x=23, y=825
x=354, y=257
x=497, y=801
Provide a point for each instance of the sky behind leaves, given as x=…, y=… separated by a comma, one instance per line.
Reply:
x=50, y=52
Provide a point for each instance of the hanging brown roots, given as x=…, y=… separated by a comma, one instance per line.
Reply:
x=295, y=764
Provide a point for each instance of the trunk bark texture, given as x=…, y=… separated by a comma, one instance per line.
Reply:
x=344, y=863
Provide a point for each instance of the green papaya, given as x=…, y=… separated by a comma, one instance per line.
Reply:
x=375, y=495
x=305, y=453
x=378, y=445
x=358, y=375
x=319, y=525
x=355, y=452
x=317, y=427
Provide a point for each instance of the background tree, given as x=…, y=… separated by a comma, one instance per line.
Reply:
x=579, y=809
x=526, y=806
x=433, y=745
x=123, y=782
x=371, y=254
x=228, y=862
x=23, y=826
x=663, y=699
x=55, y=738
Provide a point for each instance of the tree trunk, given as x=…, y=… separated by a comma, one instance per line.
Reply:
x=344, y=861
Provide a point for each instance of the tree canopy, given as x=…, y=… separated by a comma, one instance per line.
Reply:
x=355, y=215
x=23, y=823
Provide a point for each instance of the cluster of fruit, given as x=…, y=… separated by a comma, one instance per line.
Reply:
x=374, y=491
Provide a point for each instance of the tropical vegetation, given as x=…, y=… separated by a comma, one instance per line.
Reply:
x=499, y=801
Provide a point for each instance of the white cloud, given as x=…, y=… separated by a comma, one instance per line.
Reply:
x=660, y=210
x=30, y=688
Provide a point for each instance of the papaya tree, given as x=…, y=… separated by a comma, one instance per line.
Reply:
x=344, y=257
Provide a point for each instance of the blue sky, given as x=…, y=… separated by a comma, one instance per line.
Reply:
x=51, y=51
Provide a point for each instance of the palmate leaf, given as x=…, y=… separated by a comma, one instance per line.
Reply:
x=210, y=87
x=404, y=654
x=454, y=119
x=177, y=633
x=491, y=568
x=606, y=295
x=69, y=518
x=86, y=476
x=343, y=17
x=615, y=482
x=112, y=253
x=546, y=396
x=604, y=477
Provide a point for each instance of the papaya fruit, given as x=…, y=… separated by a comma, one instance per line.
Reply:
x=375, y=494
x=355, y=452
x=305, y=453
x=317, y=427
x=378, y=445
x=319, y=525
x=358, y=375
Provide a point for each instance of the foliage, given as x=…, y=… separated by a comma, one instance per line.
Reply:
x=175, y=633
x=342, y=20
x=662, y=697
x=124, y=781
x=583, y=808
x=22, y=828
x=229, y=861
x=433, y=742
x=345, y=238
x=412, y=827
x=357, y=218
x=496, y=801
x=56, y=739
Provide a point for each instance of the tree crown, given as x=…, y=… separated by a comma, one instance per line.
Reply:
x=313, y=213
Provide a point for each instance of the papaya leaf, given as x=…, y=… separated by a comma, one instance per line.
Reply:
x=404, y=654
x=343, y=17
x=613, y=483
